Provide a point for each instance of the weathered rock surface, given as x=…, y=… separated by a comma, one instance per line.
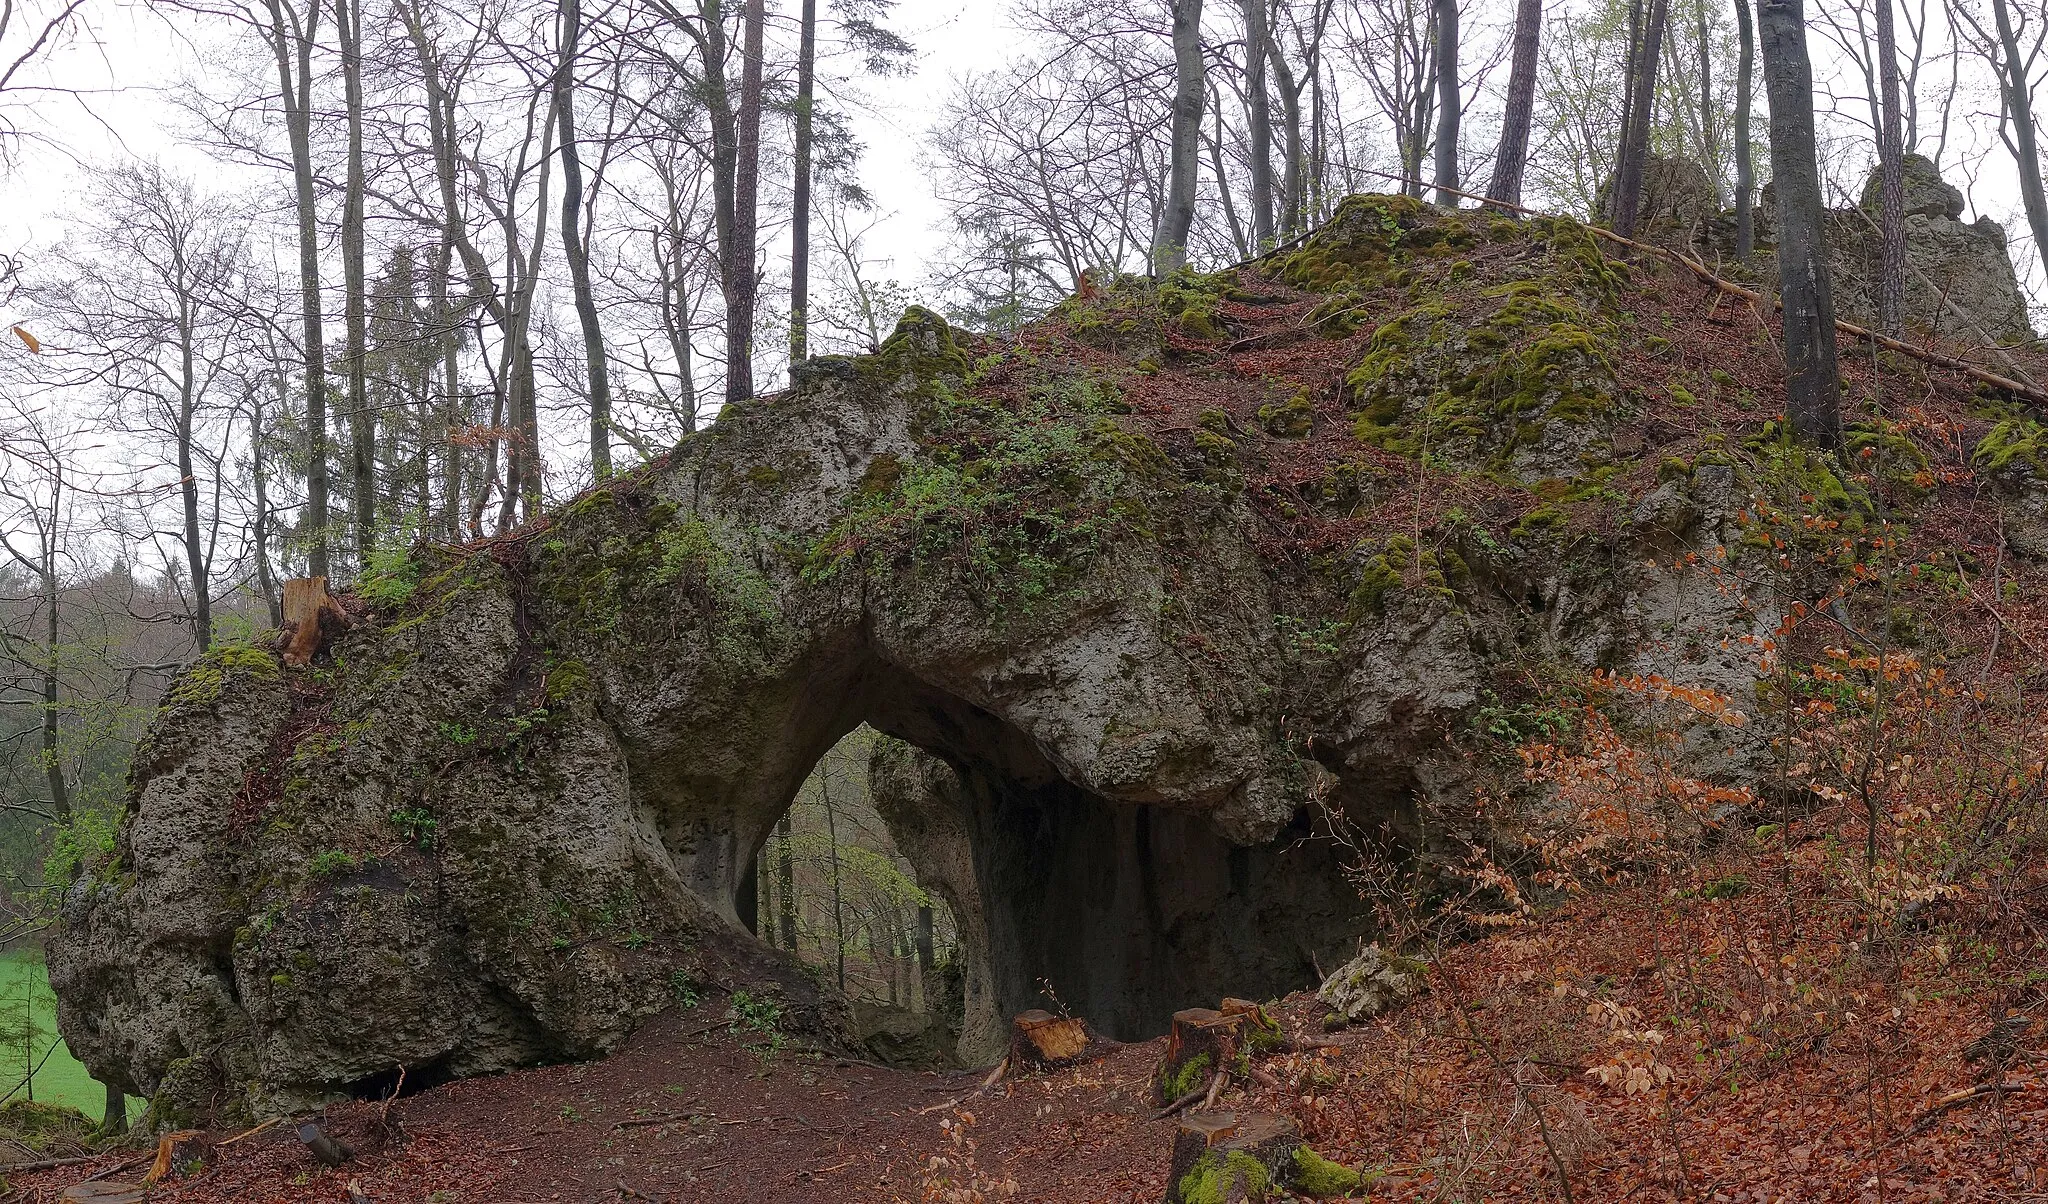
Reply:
x=507, y=815
x=1960, y=280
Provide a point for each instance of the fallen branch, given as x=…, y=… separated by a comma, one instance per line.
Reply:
x=47, y=1164
x=1956, y=1099
x=1182, y=1102
x=994, y=1076
x=248, y=1133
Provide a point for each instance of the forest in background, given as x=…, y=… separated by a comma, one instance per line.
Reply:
x=461, y=261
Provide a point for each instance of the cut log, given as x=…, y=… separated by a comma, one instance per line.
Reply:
x=1040, y=1040
x=103, y=1193
x=1202, y=1042
x=310, y=616
x=325, y=1149
x=1230, y=1157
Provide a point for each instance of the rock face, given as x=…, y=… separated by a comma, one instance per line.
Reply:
x=506, y=816
x=1960, y=280
x=1960, y=274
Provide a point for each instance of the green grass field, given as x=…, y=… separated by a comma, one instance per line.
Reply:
x=25, y=991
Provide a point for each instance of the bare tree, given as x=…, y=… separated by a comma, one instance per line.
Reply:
x=743, y=293
x=576, y=248
x=362, y=420
x=2013, y=64
x=1891, y=157
x=1258, y=120
x=291, y=36
x=1170, y=239
x=1745, y=154
x=800, y=200
x=1644, y=49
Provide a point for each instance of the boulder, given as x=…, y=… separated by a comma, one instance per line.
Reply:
x=1371, y=983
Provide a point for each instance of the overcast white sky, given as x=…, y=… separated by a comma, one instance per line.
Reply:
x=137, y=57
x=125, y=73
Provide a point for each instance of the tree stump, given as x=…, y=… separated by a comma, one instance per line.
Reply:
x=1225, y=1157
x=179, y=1155
x=308, y=610
x=1040, y=1040
x=1202, y=1042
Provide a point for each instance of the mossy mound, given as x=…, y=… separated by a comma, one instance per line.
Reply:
x=1512, y=368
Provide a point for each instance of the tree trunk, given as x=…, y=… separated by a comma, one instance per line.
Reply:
x=1448, y=99
x=1813, y=385
x=1745, y=171
x=1891, y=156
x=838, y=900
x=259, y=479
x=1238, y=238
x=1635, y=135
x=577, y=251
x=53, y=751
x=361, y=422
x=114, y=1122
x=800, y=196
x=1177, y=218
x=1259, y=120
x=739, y=266
x=293, y=46
x=2019, y=102
x=1710, y=143
x=785, y=880
x=1291, y=191
x=1513, y=156
x=196, y=558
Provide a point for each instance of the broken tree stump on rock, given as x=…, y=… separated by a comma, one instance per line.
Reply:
x=1225, y=1157
x=308, y=611
x=1040, y=1040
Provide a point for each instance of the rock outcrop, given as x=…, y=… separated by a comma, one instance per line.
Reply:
x=1162, y=670
x=1960, y=280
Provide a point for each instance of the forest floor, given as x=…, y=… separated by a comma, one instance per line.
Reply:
x=1803, y=1064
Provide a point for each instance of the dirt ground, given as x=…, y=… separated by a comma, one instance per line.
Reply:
x=1476, y=1090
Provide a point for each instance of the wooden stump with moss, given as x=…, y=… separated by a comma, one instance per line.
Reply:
x=1206, y=1042
x=1040, y=1040
x=1225, y=1158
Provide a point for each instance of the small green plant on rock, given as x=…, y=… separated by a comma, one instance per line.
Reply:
x=330, y=863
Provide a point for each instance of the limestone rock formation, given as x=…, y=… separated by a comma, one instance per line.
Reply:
x=1960, y=276
x=1960, y=279
x=1678, y=199
x=1371, y=983
x=1157, y=674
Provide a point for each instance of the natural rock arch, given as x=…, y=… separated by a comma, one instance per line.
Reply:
x=504, y=818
